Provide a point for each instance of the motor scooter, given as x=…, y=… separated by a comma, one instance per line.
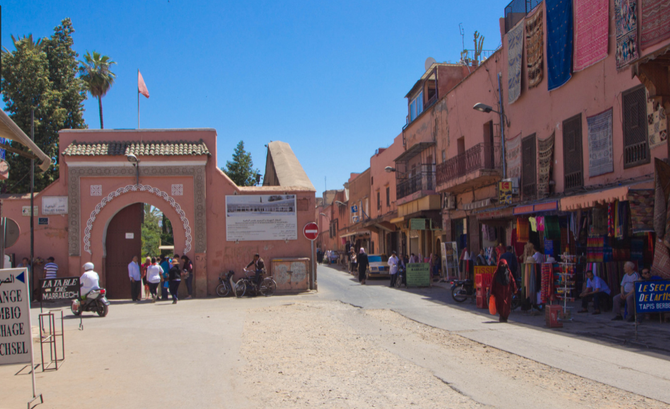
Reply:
x=226, y=284
x=95, y=301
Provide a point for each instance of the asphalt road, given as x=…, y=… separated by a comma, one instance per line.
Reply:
x=186, y=355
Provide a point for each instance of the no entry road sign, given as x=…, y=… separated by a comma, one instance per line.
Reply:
x=311, y=231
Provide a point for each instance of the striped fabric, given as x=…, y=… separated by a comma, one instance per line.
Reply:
x=50, y=270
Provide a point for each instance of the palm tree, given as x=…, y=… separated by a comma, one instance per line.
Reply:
x=96, y=73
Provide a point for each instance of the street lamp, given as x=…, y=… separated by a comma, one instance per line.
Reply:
x=340, y=203
x=389, y=169
x=136, y=163
x=486, y=109
x=503, y=121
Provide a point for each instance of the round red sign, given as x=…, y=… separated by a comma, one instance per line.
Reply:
x=311, y=231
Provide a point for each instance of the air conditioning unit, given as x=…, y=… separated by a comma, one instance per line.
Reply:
x=449, y=201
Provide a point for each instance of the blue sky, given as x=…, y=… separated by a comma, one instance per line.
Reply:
x=329, y=78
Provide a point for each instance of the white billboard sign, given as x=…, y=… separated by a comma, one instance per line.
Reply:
x=54, y=205
x=261, y=217
x=16, y=346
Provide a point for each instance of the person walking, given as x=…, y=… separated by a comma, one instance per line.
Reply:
x=50, y=269
x=502, y=288
x=175, y=279
x=393, y=268
x=145, y=266
x=354, y=262
x=362, y=265
x=154, y=272
x=187, y=268
x=165, y=278
x=135, y=279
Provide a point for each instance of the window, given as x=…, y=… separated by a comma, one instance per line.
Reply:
x=572, y=152
x=528, y=168
x=372, y=180
x=416, y=106
x=379, y=201
x=635, y=146
x=388, y=197
x=444, y=155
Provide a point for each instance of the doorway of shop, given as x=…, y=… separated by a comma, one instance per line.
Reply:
x=138, y=230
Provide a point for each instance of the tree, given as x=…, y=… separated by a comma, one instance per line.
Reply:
x=151, y=231
x=96, y=72
x=241, y=170
x=41, y=74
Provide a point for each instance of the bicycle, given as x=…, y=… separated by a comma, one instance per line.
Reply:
x=266, y=287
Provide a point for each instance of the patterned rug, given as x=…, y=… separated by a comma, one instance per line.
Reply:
x=545, y=153
x=661, y=201
x=641, y=203
x=600, y=143
x=513, y=156
x=655, y=22
x=625, y=14
x=657, y=123
x=559, y=42
x=514, y=57
x=661, y=264
x=535, y=46
x=591, y=29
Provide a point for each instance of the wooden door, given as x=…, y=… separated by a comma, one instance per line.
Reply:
x=120, y=249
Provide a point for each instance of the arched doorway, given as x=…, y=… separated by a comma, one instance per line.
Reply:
x=138, y=229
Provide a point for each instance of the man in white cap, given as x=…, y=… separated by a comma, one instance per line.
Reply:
x=89, y=281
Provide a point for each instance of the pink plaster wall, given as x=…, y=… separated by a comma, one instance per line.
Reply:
x=382, y=179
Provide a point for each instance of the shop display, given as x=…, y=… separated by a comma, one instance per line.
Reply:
x=564, y=282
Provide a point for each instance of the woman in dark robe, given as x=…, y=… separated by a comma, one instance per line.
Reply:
x=502, y=288
x=362, y=265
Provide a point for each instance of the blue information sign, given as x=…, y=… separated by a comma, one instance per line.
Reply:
x=652, y=296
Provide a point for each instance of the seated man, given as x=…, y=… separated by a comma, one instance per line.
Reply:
x=626, y=294
x=596, y=290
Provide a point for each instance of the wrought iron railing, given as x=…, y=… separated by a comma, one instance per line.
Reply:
x=423, y=180
x=574, y=180
x=517, y=10
x=636, y=154
x=480, y=156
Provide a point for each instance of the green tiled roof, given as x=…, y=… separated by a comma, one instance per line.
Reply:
x=153, y=148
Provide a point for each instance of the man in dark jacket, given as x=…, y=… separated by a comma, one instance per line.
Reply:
x=362, y=265
x=512, y=262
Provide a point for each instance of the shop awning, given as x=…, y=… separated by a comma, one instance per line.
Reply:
x=397, y=220
x=602, y=196
x=550, y=206
x=9, y=130
x=356, y=233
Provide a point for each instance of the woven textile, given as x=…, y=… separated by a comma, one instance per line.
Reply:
x=655, y=22
x=513, y=155
x=657, y=123
x=641, y=203
x=625, y=14
x=594, y=249
x=600, y=143
x=547, y=293
x=661, y=200
x=545, y=153
x=591, y=29
x=552, y=229
x=540, y=223
x=522, y=230
x=535, y=46
x=559, y=42
x=611, y=217
x=661, y=265
x=514, y=57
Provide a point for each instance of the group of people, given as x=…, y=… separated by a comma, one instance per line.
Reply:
x=168, y=272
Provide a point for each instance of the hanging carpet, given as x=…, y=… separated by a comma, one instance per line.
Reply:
x=600, y=143
x=655, y=22
x=591, y=32
x=559, y=42
x=535, y=46
x=625, y=15
x=514, y=58
x=545, y=153
x=641, y=203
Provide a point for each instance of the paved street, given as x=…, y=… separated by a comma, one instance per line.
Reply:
x=346, y=346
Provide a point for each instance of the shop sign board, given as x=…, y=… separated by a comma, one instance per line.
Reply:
x=652, y=296
x=15, y=328
x=418, y=275
x=62, y=288
x=505, y=192
x=43, y=221
x=54, y=205
x=25, y=211
x=417, y=224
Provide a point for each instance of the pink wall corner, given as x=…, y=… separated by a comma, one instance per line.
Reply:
x=382, y=179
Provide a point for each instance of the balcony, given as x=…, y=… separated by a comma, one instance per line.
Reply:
x=478, y=166
x=416, y=186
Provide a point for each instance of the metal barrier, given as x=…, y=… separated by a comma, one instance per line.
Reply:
x=50, y=336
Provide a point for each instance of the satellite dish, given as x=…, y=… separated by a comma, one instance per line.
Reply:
x=429, y=61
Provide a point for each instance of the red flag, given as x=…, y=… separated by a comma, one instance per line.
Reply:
x=141, y=86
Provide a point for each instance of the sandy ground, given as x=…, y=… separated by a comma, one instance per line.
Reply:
x=334, y=355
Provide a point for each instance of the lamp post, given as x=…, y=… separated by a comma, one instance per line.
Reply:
x=503, y=121
x=136, y=163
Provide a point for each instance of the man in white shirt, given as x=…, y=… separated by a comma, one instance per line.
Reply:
x=393, y=268
x=89, y=281
x=538, y=257
x=627, y=293
x=135, y=279
x=596, y=290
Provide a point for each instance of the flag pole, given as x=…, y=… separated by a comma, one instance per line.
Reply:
x=138, y=99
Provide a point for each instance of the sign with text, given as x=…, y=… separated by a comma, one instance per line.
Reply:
x=62, y=288
x=418, y=275
x=261, y=217
x=16, y=346
x=505, y=192
x=652, y=296
x=54, y=205
x=43, y=221
x=25, y=211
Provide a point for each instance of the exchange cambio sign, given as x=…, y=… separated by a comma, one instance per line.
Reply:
x=15, y=332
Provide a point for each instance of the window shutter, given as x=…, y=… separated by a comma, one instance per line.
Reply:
x=636, y=147
x=572, y=153
x=528, y=168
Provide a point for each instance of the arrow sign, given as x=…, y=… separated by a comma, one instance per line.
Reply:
x=311, y=231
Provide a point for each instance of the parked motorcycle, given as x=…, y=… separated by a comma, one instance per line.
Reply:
x=461, y=290
x=227, y=284
x=244, y=285
x=95, y=301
